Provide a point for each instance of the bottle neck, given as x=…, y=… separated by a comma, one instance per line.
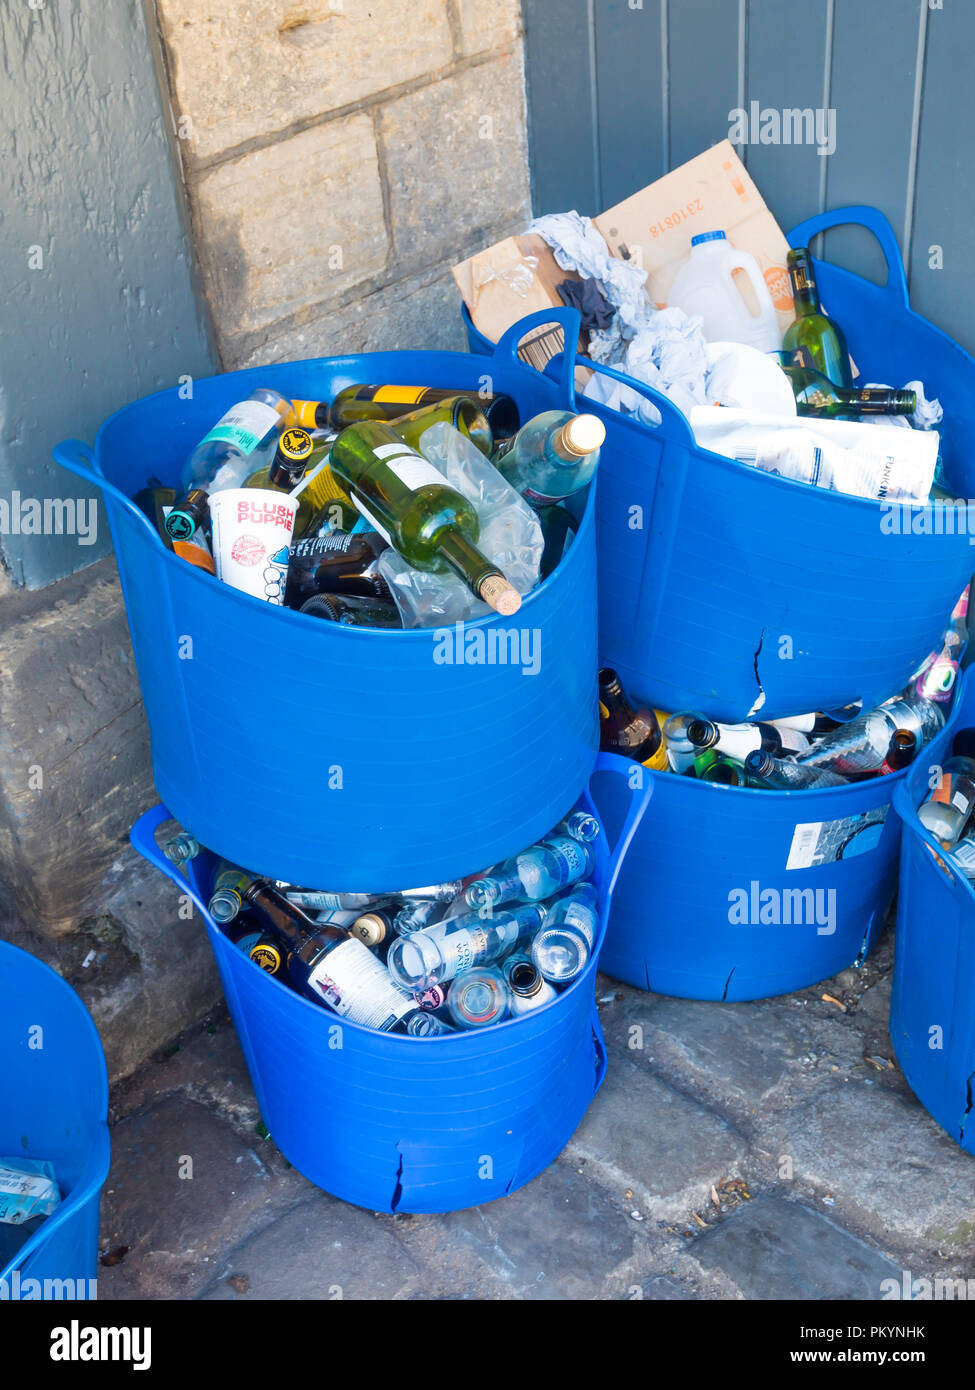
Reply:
x=466, y=560
x=876, y=400
x=805, y=295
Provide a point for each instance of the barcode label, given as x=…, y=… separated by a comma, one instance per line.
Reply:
x=805, y=839
x=542, y=347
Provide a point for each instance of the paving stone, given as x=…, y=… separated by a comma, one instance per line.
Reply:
x=206, y=1062
x=735, y=1050
x=777, y=1249
x=644, y=1136
x=885, y=1162
x=662, y=1289
x=558, y=1238
x=456, y=160
x=176, y=1226
x=243, y=69
x=292, y=224
x=322, y=1249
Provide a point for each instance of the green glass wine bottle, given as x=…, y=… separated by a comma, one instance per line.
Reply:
x=812, y=331
x=818, y=396
x=360, y=402
x=411, y=504
x=460, y=411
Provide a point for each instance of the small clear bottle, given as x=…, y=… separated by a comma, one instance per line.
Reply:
x=180, y=848
x=948, y=807
x=763, y=770
x=478, y=998
x=447, y=949
x=563, y=944
x=535, y=873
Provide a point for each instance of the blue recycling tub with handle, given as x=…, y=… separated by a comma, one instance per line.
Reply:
x=726, y=589
x=737, y=893
x=322, y=753
x=53, y=1105
x=396, y=1123
x=932, y=1006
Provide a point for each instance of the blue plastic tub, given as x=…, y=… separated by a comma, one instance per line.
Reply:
x=53, y=1105
x=932, y=1007
x=413, y=1124
x=321, y=753
x=727, y=589
x=677, y=921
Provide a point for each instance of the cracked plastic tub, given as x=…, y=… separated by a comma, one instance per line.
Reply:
x=53, y=1105
x=727, y=589
x=932, y=1006
x=404, y=1124
x=292, y=745
x=737, y=893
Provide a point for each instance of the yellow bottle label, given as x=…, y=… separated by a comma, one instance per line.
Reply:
x=603, y=711
x=323, y=489
x=659, y=761
x=408, y=395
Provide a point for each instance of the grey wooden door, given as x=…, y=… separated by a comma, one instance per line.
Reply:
x=620, y=91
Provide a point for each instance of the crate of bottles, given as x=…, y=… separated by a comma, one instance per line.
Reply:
x=932, y=1007
x=768, y=858
x=418, y=1068
x=54, y=1144
x=320, y=742
x=728, y=589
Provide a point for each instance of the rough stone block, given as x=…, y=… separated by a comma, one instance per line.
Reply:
x=293, y=224
x=488, y=24
x=417, y=313
x=74, y=763
x=457, y=161
x=243, y=70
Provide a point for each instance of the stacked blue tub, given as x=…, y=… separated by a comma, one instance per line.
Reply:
x=706, y=567
x=53, y=1105
x=932, y=1007
x=353, y=759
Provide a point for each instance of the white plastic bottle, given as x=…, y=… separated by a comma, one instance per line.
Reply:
x=705, y=286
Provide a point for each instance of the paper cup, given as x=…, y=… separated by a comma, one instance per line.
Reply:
x=251, y=534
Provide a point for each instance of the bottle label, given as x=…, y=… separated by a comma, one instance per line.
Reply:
x=244, y=425
x=581, y=918
x=570, y=857
x=659, y=762
x=358, y=987
x=410, y=467
x=339, y=542
x=461, y=950
x=540, y=499
x=738, y=740
x=400, y=395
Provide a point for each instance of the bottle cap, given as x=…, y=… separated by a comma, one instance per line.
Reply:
x=708, y=236
x=503, y=597
x=267, y=956
x=295, y=445
x=583, y=434
x=370, y=928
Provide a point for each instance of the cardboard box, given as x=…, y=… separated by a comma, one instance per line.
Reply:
x=712, y=192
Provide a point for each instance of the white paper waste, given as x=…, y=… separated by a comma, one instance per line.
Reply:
x=841, y=455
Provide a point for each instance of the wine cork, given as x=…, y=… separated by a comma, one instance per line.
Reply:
x=502, y=596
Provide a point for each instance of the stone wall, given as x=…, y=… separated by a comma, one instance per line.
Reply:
x=340, y=156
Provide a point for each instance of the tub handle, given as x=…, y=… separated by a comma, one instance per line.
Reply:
x=674, y=424
x=76, y=456
x=639, y=800
x=874, y=221
x=571, y=321
x=143, y=838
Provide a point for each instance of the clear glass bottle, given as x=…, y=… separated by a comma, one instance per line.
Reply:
x=535, y=873
x=551, y=457
x=180, y=848
x=441, y=952
x=764, y=770
x=478, y=998
x=427, y=1025
x=862, y=744
x=562, y=945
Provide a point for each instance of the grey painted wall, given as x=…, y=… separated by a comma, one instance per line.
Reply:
x=620, y=91
x=91, y=198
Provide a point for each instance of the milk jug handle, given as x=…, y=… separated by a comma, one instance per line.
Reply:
x=742, y=261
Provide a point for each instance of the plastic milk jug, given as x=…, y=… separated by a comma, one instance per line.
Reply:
x=705, y=286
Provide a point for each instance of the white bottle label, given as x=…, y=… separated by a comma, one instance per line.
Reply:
x=581, y=918
x=410, y=467
x=358, y=987
x=244, y=425
x=738, y=740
